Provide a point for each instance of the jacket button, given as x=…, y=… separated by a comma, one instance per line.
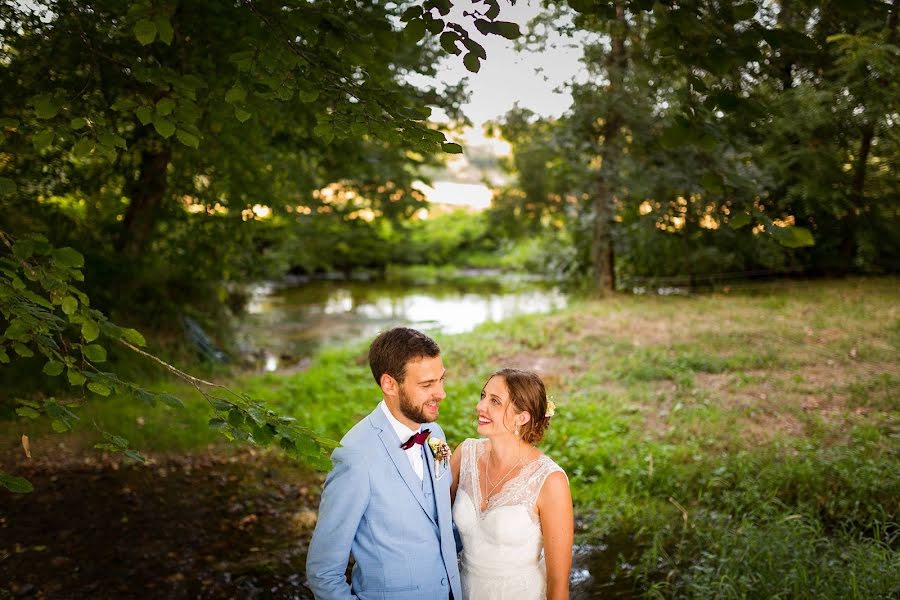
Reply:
x=444, y=581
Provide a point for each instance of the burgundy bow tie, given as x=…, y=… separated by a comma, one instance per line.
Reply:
x=416, y=438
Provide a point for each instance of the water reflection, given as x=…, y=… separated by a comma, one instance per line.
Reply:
x=286, y=325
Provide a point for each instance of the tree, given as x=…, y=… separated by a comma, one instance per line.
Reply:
x=697, y=115
x=196, y=114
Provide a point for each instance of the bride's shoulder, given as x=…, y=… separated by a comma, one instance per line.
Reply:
x=550, y=468
x=471, y=444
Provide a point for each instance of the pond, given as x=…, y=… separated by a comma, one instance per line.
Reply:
x=287, y=324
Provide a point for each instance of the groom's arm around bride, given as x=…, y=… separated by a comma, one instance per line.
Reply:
x=384, y=502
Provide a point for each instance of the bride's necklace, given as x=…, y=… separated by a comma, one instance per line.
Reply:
x=487, y=475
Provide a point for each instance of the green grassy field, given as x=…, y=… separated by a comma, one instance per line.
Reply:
x=745, y=444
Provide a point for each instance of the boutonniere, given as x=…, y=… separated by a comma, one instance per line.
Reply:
x=442, y=453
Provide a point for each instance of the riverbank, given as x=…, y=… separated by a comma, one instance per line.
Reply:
x=733, y=444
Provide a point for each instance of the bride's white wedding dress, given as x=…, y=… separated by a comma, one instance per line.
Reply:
x=502, y=555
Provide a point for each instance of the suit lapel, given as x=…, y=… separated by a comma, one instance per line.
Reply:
x=401, y=462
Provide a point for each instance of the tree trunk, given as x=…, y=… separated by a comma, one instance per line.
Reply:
x=858, y=184
x=146, y=196
x=602, y=255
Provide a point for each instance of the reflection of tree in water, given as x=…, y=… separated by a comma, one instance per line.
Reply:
x=293, y=323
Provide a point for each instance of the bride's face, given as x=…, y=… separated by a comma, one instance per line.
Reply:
x=495, y=415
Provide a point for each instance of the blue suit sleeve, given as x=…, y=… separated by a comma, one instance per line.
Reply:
x=344, y=500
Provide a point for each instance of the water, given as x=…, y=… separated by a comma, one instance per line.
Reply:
x=287, y=325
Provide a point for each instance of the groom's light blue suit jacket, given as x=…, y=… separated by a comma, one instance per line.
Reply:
x=398, y=527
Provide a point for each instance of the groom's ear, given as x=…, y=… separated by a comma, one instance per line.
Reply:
x=388, y=384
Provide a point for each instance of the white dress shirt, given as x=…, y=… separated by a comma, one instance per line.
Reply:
x=414, y=454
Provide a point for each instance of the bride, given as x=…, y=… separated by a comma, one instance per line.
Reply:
x=511, y=503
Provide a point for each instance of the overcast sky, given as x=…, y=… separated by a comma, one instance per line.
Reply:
x=507, y=76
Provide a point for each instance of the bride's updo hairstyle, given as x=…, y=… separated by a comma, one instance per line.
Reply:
x=527, y=393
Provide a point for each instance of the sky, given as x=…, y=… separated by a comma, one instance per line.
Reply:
x=507, y=77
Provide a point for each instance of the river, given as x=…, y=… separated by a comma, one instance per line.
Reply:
x=286, y=325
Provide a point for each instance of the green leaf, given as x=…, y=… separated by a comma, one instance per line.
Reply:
x=46, y=107
x=41, y=140
x=53, y=368
x=75, y=377
x=22, y=350
x=324, y=131
x=164, y=28
x=471, y=62
x=217, y=423
x=163, y=126
x=241, y=115
x=494, y=11
x=135, y=456
x=506, y=29
x=171, y=400
x=144, y=114
x=739, y=220
x=4, y=357
x=411, y=13
x=83, y=147
x=236, y=94
x=111, y=140
x=23, y=249
x=434, y=26
x=308, y=95
x=793, y=237
x=414, y=30
x=16, y=485
x=133, y=336
x=7, y=186
x=451, y=148
x=27, y=412
x=165, y=106
x=78, y=123
x=448, y=42
x=68, y=257
x=94, y=352
x=99, y=388
x=90, y=331
x=17, y=330
x=8, y=123
x=145, y=31
x=59, y=426
x=475, y=48
x=188, y=139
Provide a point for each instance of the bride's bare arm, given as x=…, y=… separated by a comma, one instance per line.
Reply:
x=455, y=462
x=558, y=526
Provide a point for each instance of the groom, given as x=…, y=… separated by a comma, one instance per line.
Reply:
x=385, y=502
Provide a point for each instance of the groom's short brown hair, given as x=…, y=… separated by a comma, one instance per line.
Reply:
x=394, y=348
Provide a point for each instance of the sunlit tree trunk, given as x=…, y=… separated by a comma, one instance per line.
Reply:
x=602, y=255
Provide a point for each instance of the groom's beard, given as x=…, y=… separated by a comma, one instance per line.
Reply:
x=411, y=411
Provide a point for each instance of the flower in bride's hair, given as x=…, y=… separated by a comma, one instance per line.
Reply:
x=551, y=409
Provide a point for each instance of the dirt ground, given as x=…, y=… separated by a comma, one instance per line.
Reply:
x=210, y=525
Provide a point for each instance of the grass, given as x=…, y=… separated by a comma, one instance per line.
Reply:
x=744, y=442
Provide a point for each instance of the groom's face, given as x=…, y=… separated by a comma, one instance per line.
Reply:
x=422, y=389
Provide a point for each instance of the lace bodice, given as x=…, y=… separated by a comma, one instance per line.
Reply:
x=521, y=490
x=503, y=546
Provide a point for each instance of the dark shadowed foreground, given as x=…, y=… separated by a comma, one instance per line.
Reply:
x=228, y=523
x=195, y=526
